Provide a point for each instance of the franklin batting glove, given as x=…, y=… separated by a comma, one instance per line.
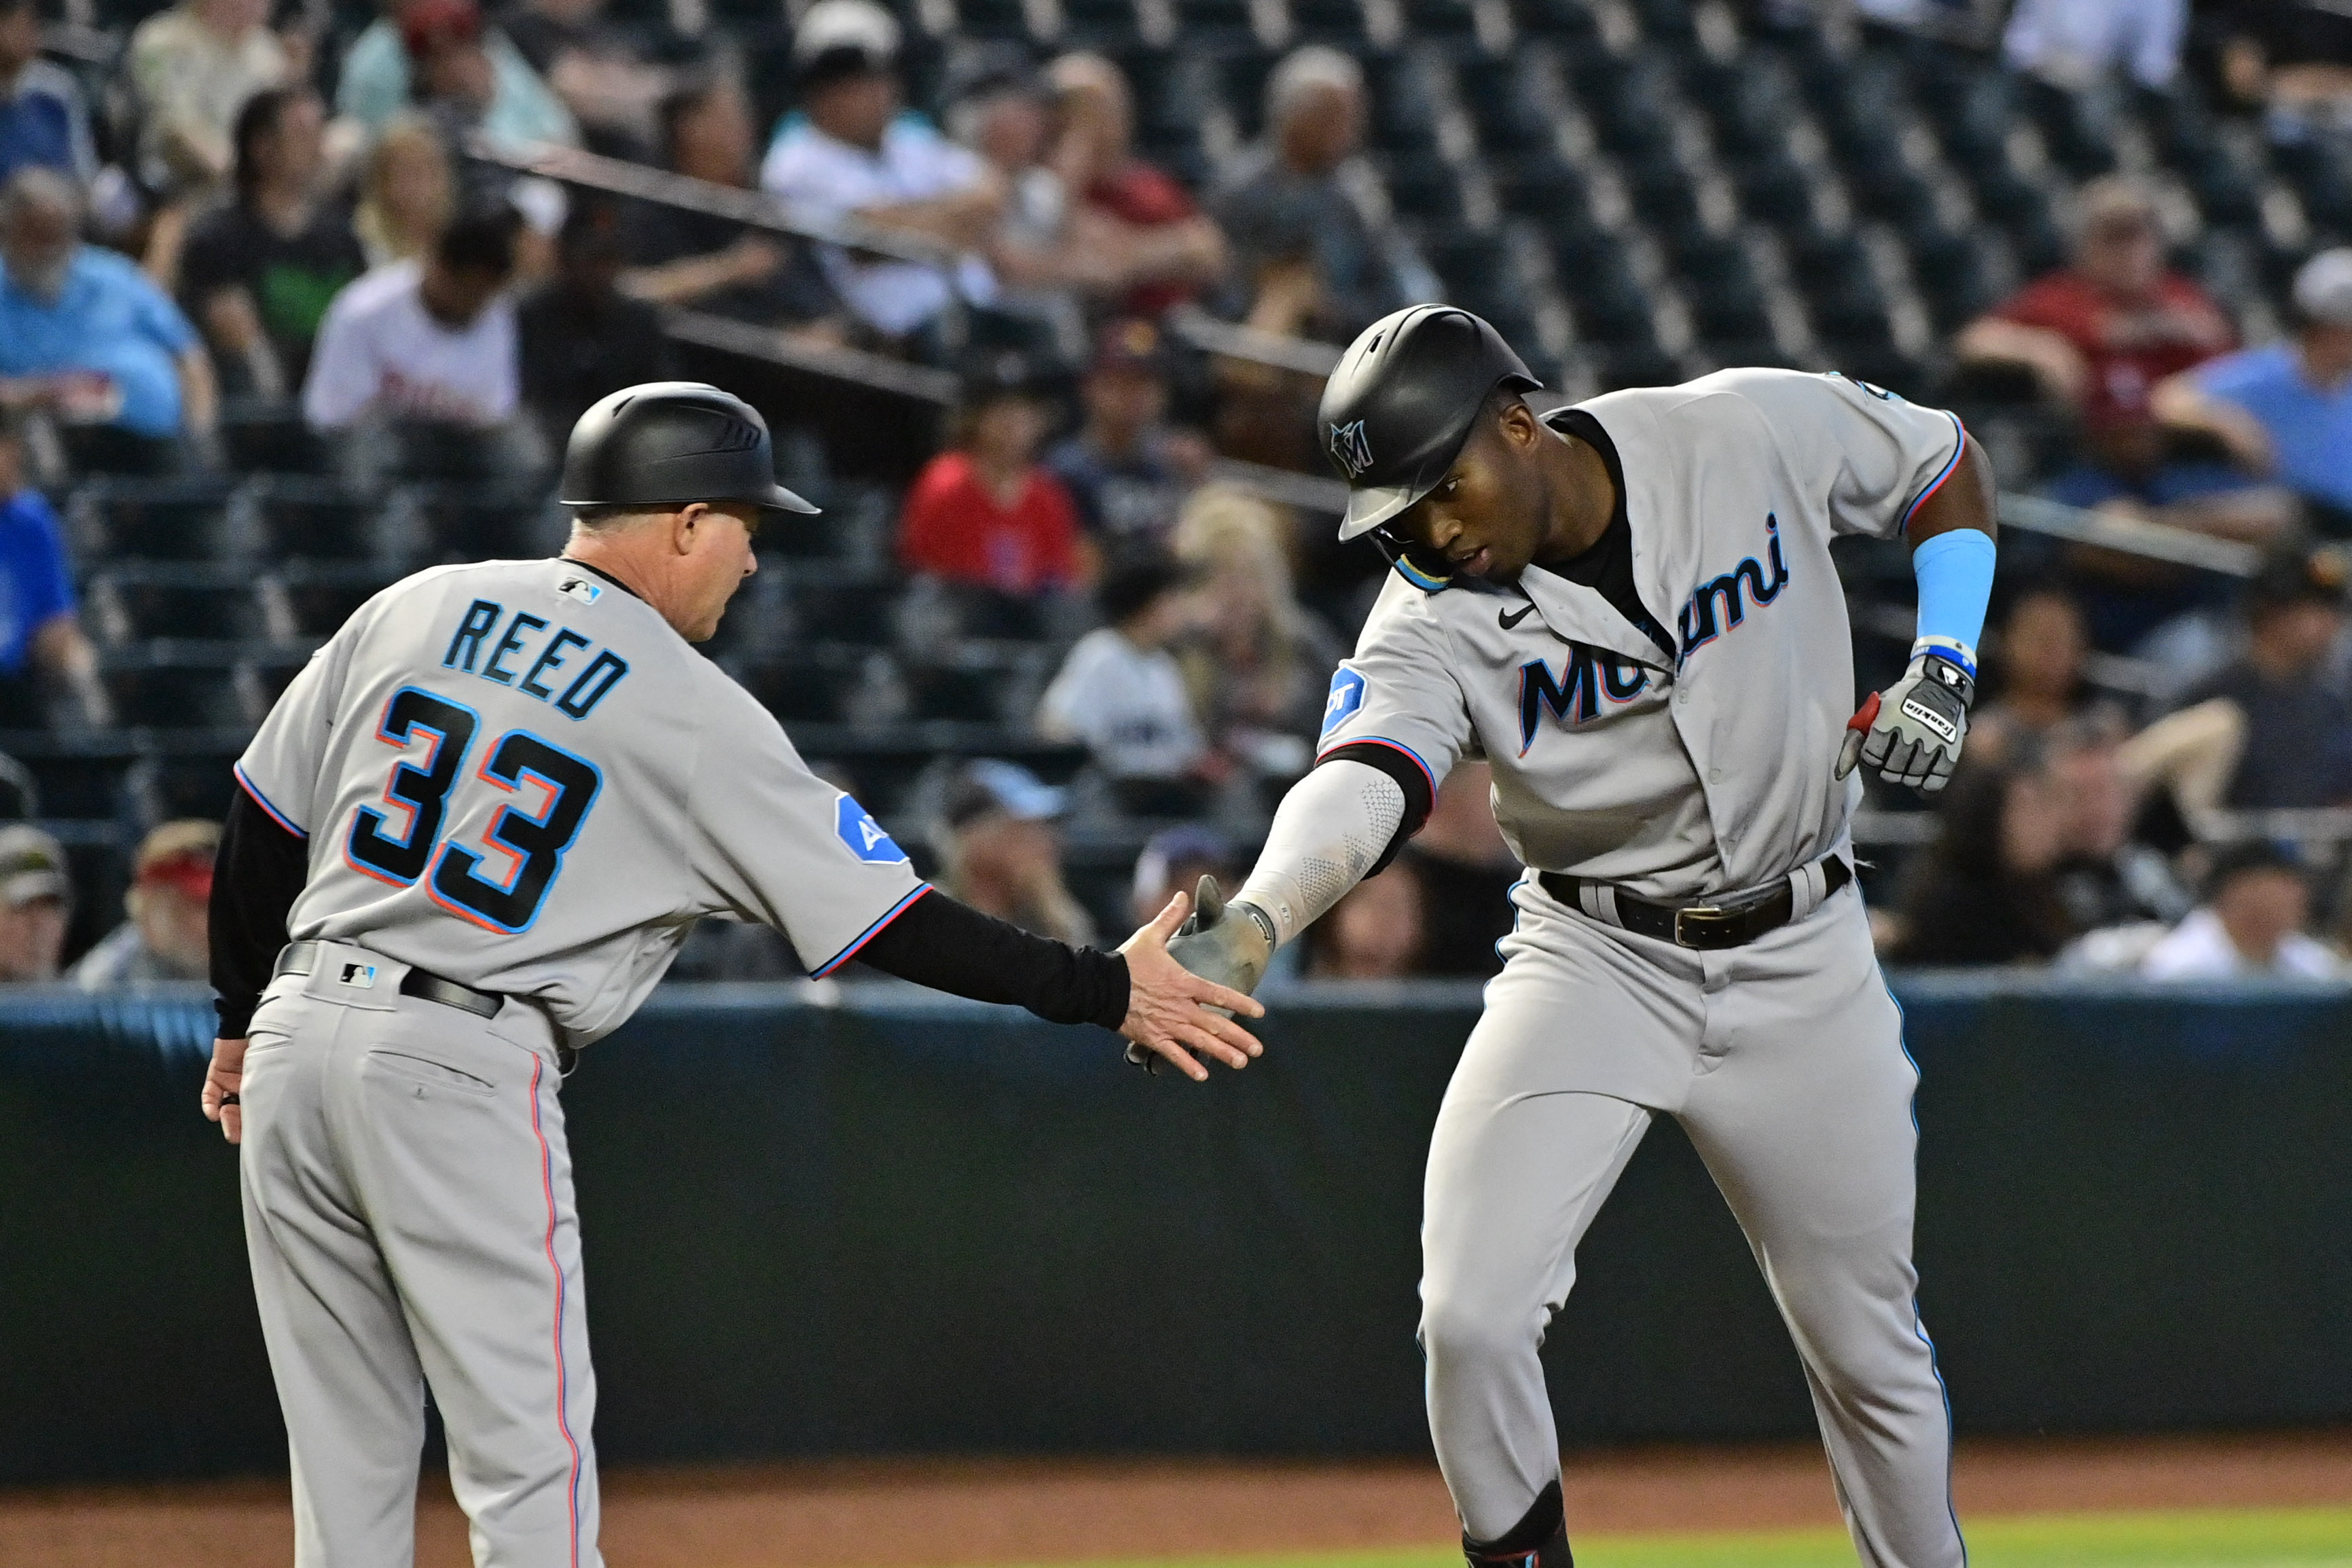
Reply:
x=1230, y=944
x=1911, y=733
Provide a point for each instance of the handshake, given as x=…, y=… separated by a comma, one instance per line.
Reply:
x=1189, y=972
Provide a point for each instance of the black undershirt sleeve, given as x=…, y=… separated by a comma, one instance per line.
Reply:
x=255, y=880
x=1417, y=800
x=953, y=948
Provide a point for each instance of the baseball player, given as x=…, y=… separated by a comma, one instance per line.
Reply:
x=1628, y=607
x=488, y=811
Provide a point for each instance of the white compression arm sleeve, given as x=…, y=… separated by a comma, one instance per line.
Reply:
x=1327, y=832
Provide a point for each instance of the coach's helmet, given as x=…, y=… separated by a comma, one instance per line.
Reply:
x=669, y=443
x=1396, y=412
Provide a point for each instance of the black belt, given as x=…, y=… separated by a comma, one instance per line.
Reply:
x=302, y=958
x=1705, y=926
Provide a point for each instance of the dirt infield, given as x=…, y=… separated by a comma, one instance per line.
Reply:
x=886, y=1514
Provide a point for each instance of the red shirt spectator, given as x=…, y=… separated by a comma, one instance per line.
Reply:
x=1168, y=248
x=2103, y=332
x=955, y=527
x=1141, y=195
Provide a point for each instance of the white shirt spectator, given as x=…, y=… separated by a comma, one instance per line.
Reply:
x=2199, y=949
x=1127, y=704
x=380, y=350
x=2075, y=42
x=828, y=180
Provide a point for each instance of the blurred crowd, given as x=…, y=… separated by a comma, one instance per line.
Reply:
x=244, y=209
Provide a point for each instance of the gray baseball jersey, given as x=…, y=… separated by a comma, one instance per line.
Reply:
x=1670, y=772
x=516, y=775
x=1698, y=762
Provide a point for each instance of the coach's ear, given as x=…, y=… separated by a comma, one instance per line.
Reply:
x=685, y=526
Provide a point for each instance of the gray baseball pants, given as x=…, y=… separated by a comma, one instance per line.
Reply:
x=1783, y=1061
x=408, y=1213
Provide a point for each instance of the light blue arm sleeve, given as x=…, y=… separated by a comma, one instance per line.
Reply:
x=1955, y=573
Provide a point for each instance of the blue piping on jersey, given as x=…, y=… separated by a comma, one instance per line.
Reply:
x=277, y=816
x=1394, y=744
x=1420, y=579
x=1944, y=472
x=871, y=932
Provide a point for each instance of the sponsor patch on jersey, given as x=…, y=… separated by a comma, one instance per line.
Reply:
x=580, y=589
x=361, y=977
x=1347, y=697
x=864, y=835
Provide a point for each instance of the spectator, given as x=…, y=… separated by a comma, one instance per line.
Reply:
x=999, y=851
x=2285, y=409
x=2035, y=671
x=259, y=272
x=2250, y=924
x=1259, y=666
x=36, y=903
x=43, y=120
x=1465, y=870
x=2104, y=875
x=171, y=891
x=192, y=67
x=1374, y=933
x=1043, y=265
x=2099, y=335
x=1175, y=859
x=1309, y=256
x=579, y=336
x=408, y=194
x=598, y=69
x=434, y=342
x=851, y=153
x=2079, y=44
x=2297, y=746
x=1985, y=891
x=374, y=87
x=1121, y=693
x=1128, y=471
x=2291, y=59
x=1159, y=246
x=83, y=334
x=986, y=515
x=711, y=263
x=39, y=630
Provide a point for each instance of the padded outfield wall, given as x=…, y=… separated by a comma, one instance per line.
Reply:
x=902, y=1225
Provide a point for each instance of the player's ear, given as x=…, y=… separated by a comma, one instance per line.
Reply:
x=684, y=526
x=1517, y=422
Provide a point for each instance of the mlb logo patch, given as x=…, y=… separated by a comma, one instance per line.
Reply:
x=1347, y=697
x=580, y=589
x=361, y=977
x=864, y=835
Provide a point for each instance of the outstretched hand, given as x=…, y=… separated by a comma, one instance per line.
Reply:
x=1168, y=1005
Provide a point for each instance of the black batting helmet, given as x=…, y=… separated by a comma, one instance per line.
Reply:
x=669, y=443
x=1396, y=412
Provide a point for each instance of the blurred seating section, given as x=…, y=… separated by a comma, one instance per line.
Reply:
x=1633, y=191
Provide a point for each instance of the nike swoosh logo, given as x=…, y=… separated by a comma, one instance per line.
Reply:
x=1509, y=619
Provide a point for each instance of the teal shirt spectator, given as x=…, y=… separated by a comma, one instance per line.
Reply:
x=374, y=88
x=36, y=585
x=109, y=317
x=2310, y=427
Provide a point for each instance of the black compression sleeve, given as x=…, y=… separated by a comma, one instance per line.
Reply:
x=257, y=877
x=953, y=948
x=1417, y=800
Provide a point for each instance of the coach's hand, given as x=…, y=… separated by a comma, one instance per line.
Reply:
x=221, y=1081
x=1168, y=1014
x=1912, y=732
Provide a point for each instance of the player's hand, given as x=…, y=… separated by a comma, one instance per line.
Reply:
x=1912, y=731
x=1168, y=1005
x=1228, y=944
x=221, y=1081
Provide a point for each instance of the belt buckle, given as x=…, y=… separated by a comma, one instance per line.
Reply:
x=1694, y=924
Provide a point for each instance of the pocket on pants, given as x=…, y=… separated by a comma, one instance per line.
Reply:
x=427, y=1071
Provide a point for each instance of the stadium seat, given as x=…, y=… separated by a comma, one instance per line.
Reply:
x=312, y=519
x=162, y=520
x=158, y=689
x=126, y=604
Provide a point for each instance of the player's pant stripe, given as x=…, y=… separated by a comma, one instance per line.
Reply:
x=563, y=1380
x=871, y=932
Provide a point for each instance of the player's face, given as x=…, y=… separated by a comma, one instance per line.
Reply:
x=1487, y=515
x=717, y=557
